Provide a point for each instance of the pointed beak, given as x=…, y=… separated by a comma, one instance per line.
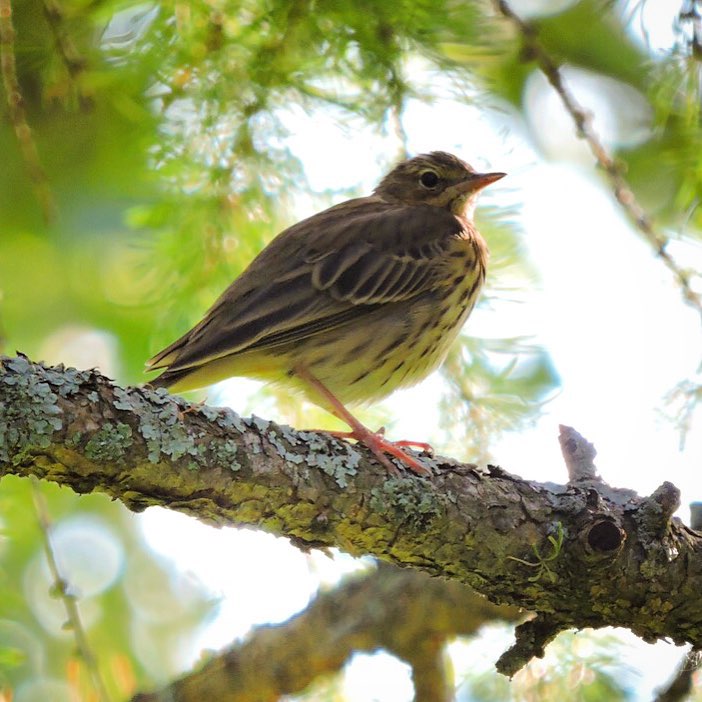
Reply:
x=478, y=181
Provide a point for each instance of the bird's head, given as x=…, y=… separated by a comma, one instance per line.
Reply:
x=439, y=179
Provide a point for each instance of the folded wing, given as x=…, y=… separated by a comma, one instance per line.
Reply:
x=305, y=284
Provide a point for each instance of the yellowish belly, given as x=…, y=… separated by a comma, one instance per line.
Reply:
x=392, y=346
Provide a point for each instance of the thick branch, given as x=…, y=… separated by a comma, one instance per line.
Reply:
x=584, y=554
x=398, y=610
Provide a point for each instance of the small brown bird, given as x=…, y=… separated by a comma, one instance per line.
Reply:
x=351, y=303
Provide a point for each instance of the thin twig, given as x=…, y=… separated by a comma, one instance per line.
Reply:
x=64, y=592
x=71, y=57
x=18, y=118
x=613, y=169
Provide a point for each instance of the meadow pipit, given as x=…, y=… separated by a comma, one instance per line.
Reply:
x=353, y=302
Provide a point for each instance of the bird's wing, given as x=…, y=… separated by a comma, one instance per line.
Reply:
x=361, y=274
x=378, y=257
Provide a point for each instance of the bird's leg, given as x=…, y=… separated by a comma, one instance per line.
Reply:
x=375, y=441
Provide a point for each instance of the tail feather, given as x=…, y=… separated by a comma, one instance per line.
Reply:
x=169, y=378
x=169, y=355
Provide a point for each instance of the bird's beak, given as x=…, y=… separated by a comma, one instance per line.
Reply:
x=478, y=181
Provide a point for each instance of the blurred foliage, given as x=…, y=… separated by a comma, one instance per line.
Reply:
x=163, y=134
x=101, y=555
x=495, y=385
x=582, y=667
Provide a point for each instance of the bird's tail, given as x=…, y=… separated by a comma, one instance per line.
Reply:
x=169, y=378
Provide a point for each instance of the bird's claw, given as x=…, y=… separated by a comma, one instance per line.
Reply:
x=380, y=446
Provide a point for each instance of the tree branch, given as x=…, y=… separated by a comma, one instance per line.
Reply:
x=74, y=62
x=585, y=554
x=583, y=123
x=578, y=455
x=18, y=117
x=66, y=593
x=402, y=611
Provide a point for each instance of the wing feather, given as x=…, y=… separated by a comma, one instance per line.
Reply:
x=381, y=253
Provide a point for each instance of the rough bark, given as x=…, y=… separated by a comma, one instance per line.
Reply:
x=581, y=554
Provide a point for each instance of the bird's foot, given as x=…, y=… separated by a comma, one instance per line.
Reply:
x=374, y=440
x=419, y=445
x=380, y=446
x=193, y=407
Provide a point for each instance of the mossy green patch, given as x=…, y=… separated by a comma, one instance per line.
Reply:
x=224, y=454
x=29, y=414
x=340, y=466
x=409, y=499
x=160, y=422
x=110, y=442
x=223, y=417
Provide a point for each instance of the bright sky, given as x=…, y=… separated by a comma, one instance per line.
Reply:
x=608, y=312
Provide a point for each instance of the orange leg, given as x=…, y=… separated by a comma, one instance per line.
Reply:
x=375, y=441
x=421, y=445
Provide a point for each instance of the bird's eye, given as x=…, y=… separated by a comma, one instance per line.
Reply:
x=429, y=179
